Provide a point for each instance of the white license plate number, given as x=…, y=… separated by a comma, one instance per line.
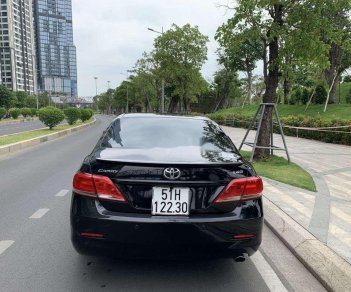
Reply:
x=170, y=201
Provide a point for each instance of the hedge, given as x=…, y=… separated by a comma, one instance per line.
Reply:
x=241, y=121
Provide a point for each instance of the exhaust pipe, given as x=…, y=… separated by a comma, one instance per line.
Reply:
x=240, y=259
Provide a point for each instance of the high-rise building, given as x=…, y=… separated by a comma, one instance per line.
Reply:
x=17, y=53
x=55, y=50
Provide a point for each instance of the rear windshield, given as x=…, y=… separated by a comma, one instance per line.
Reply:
x=135, y=132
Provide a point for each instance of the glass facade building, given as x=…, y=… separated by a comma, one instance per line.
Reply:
x=55, y=50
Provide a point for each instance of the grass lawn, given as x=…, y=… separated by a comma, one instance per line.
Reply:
x=344, y=89
x=334, y=111
x=278, y=168
x=5, y=140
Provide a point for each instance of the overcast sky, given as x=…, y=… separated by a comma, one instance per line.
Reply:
x=110, y=35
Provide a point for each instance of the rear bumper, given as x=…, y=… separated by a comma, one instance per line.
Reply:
x=146, y=236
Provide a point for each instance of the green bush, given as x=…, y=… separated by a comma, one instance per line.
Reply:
x=2, y=112
x=348, y=97
x=26, y=112
x=347, y=78
x=51, y=116
x=72, y=114
x=320, y=96
x=14, y=112
x=34, y=112
x=296, y=96
x=86, y=114
x=306, y=94
x=241, y=121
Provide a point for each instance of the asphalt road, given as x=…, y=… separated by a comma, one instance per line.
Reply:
x=20, y=127
x=36, y=253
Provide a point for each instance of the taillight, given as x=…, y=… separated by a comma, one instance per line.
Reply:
x=241, y=189
x=83, y=184
x=97, y=186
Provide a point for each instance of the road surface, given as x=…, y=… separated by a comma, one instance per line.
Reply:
x=20, y=127
x=36, y=253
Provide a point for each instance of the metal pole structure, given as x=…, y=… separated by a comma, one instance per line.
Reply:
x=96, y=86
x=108, y=84
x=163, y=80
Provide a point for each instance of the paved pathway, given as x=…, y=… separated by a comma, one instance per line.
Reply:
x=327, y=213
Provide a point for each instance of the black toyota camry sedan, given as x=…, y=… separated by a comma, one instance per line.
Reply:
x=160, y=186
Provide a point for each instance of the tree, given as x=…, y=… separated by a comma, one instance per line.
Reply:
x=14, y=112
x=2, y=112
x=21, y=97
x=147, y=80
x=227, y=87
x=338, y=37
x=104, y=101
x=5, y=97
x=86, y=114
x=181, y=52
x=240, y=50
x=72, y=114
x=286, y=28
x=30, y=101
x=26, y=112
x=51, y=116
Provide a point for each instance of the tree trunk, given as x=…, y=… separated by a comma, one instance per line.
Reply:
x=335, y=56
x=270, y=95
x=286, y=86
x=173, y=104
x=249, y=85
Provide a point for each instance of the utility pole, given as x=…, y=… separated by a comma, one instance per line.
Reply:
x=163, y=80
x=96, y=86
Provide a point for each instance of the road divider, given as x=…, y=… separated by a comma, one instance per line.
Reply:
x=5, y=244
x=328, y=267
x=18, y=146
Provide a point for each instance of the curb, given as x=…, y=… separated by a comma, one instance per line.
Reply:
x=329, y=268
x=18, y=146
x=18, y=121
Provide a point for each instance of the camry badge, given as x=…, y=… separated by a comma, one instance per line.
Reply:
x=171, y=173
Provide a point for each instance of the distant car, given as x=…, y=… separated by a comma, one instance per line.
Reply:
x=166, y=187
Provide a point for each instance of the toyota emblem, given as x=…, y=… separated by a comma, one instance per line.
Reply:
x=171, y=173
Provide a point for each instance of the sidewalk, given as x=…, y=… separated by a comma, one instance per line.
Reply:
x=327, y=213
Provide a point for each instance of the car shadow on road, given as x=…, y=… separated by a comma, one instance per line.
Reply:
x=191, y=275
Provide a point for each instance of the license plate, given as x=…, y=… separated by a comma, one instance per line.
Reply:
x=170, y=201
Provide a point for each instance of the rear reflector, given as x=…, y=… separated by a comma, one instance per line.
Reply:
x=241, y=189
x=93, y=235
x=96, y=186
x=243, y=236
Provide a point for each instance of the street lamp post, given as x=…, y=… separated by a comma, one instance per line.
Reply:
x=163, y=80
x=96, y=86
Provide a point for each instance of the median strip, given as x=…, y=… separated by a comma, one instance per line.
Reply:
x=17, y=142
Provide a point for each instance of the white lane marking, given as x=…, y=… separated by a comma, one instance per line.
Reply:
x=5, y=244
x=62, y=193
x=269, y=276
x=40, y=213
